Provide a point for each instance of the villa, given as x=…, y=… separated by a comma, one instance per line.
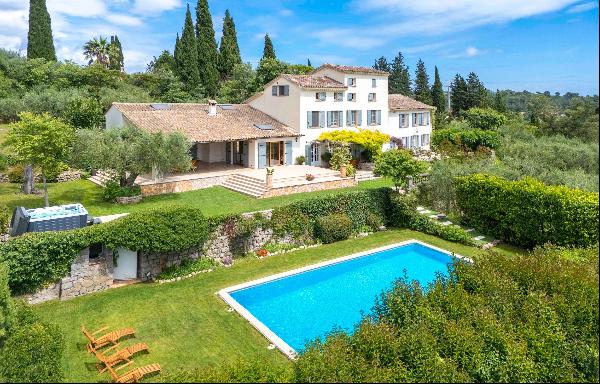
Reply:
x=276, y=126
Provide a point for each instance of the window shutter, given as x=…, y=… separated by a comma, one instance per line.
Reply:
x=348, y=118
x=359, y=119
x=308, y=119
x=286, y=90
x=378, y=117
x=274, y=90
x=329, y=118
x=341, y=118
x=322, y=119
x=369, y=118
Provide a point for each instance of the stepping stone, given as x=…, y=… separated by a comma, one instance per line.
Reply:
x=491, y=244
x=433, y=216
x=425, y=212
x=477, y=238
x=441, y=216
x=469, y=230
x=420, y=209
x=446, y=223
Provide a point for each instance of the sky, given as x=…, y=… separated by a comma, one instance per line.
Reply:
x=534, y=45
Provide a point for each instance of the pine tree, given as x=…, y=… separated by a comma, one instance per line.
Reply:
x=500, y=102
x=381, y=64
x=176, y=51
x=208, y=55
x=115, y=52
x=39, y=37
x=477, y=95
x=422, y=90
x=187, y=53
x=399, y=80
x=437, y=94
x=308, y=64
x=458, y=95
x=268, y=51
x=229, y=50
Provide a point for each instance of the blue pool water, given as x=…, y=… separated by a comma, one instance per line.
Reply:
x=302, y=307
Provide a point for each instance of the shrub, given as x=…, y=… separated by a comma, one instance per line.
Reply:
x=290, y=220
x=368, y=139
x=505, y=318
x=84, y=113
x=527, y=212
x=185, y=268
x=33, y=354
x=112, y=190
x=398, y=164
x=468, y=139
x=5, y=216
x=332, y=228
x=485, y=118
x=340, y=156
x=373, y=221
x=300, y=160
x=6, y=305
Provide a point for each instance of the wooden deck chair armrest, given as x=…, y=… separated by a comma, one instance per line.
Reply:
x=110, y=348
x=123, y=366
x=100, y=330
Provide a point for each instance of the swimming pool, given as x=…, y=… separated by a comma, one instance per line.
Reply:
x=295, y=307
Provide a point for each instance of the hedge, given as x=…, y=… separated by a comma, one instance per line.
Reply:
x=528, y=212
x=332, y=228
x=469, y=138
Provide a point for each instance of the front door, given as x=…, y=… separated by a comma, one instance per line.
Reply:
x=275, y=155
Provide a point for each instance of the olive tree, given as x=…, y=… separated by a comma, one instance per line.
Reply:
x=42, y=141
x=398, y=164
x=131, y=151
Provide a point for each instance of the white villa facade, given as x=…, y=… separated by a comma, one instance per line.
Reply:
x=284, y=121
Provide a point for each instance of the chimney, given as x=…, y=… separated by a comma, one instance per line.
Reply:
x=212, y=108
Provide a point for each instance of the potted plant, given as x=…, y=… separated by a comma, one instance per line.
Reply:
x=310, y=177
x=343, y=170
x=300, y=160
x=269, y=179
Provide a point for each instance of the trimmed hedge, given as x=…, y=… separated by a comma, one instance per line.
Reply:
x=332, y=228
x=469, y=138
x=528, y=212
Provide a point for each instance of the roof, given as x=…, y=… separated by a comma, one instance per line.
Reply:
x=398, y=102
x=353, y=69
x=232, y=121
x=314, y=82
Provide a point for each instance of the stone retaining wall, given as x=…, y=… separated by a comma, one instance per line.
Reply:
x=159, y=188
x=333, y=184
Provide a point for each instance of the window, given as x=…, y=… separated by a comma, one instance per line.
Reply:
x=420, y=119
x=321, y=96
x=352, y=82
x=374, y=117
x=374, y=83
x=403, y=117
x=405, y=142
x=280, y=90
x=315, y=119
x=353, y=118
x=414, y=141
x=315, y=153
x=335, y=119
x=338, y=96
x=424, y=140
x=351, y=96
x=372, y=97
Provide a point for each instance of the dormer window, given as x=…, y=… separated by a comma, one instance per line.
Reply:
x=320, y=96
x=352, y=81
x=280, y=90
x=374, y=83
x=372, y=97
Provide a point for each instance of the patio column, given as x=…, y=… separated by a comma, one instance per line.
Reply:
x=231, y=152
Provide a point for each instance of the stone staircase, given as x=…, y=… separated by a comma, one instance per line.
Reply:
x=101, y=178
x=365, y=175
x=245, y=184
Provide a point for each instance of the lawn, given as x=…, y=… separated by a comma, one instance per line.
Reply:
x=185, y=324
x=212, y=201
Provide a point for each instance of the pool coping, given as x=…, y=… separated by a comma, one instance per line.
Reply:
x=266, y=331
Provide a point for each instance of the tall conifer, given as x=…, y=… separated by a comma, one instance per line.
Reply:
x=268, y=50
x=115, y=51
x=422, y=90
x=207, y=55
x=229, y=50
x=399, y=80
x=39, y=37
x=187, y=53
x=381, y=64
x=437, y=93
x=458, y=95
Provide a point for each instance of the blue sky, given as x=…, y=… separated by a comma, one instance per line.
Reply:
x=517, y=44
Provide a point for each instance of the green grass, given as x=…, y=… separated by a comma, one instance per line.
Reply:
x=185, y=324
x=213, y=201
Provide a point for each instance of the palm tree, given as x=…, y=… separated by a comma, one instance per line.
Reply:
x=97, y=50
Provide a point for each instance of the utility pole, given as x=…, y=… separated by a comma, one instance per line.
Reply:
x=448, y=97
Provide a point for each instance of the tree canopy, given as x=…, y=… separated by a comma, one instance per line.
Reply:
x=229, y=50
x=207, y=49
x=39, y=38
x=398, y=164
x=422, y=90
x=399, y=80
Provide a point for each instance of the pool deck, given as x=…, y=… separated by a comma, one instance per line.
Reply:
x=272, y=336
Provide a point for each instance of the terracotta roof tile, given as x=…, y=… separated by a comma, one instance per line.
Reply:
x=237, y=122
x=398, y=102
x=353, y=69
x=314, y=82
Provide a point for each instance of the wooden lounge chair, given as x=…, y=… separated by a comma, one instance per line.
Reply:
x=119, y=356
x=134, y=375
x=107, y=338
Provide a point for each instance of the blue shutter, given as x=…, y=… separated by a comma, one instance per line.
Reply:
x=286, y=90
x=329, y=118
x=262, y=155
x=245, y=154
x=341, y=118
x=308, y=154
x=369, y=118
x=274, y=90
x=379, y=117
x=322, y=119
x=288, y=153
x=359, y=119
x=308, y=119
x=348, y=118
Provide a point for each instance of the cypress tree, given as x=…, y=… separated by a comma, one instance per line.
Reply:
x=207, y=53
x=229, y=50
x=39, y=37
x=500, y=102
x=115, y=54
x=399, y=80
x=187, y=53
x=308, y=64
x=176, y=51
x=422, y=90
x=458, y=95
x=381, y=64
x=268, y=51
x=437, y=93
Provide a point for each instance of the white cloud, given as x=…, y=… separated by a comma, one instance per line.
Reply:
x=348, y=37
x=583, y=7
x=471, y=51
x=12, y=43
x=89, y=8
x=120, y=19
x=154, y=7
